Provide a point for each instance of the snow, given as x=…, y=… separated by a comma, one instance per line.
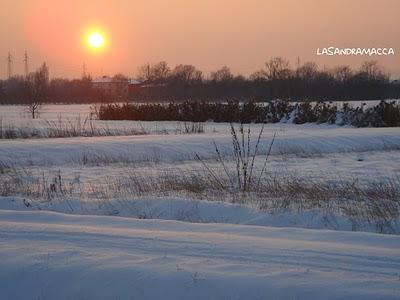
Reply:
x=90, y=245
x=201, y=211
x=59, y=115
x=18, y=115
x=319, y=153
x=46, y=255
x=290, y=139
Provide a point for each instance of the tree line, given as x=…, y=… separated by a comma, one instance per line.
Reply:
x=276, y=80
x=162, y=83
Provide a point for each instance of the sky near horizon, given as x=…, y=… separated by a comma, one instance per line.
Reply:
x=208, y=34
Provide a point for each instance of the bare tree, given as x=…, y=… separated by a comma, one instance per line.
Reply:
x=187, y=74
x=154, y=73
x=223, y=74
x=342, y=73
x=277, y=68
x=36, y=86
x=308, y=71
x=144, y=73
x=258, y=76
x=373, y=71
x=161, y=71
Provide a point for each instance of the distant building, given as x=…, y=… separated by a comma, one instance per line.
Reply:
x=115, y=88
x=134, y=88
x=111, y=87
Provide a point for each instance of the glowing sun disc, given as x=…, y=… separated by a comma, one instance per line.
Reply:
x=96, y=40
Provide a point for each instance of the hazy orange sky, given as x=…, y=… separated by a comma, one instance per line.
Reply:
x=207, y=33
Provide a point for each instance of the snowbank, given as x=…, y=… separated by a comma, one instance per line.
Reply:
x=46, y=255
x=203, y=211
x=290, y=140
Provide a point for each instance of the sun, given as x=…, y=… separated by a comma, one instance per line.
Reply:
x=96, y=40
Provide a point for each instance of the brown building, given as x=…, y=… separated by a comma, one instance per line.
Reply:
x=115, y=88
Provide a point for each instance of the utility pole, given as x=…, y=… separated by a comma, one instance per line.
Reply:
x=26, y=63
x=297, y=65
x=84, y=70
x=9, y=65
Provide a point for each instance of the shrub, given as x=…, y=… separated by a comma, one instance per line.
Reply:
x=186, y=111
x=382, y=115
x=243, y=178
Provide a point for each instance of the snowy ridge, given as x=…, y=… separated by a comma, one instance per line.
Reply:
x=48, y=255
x=203, y=211
x=290, y=139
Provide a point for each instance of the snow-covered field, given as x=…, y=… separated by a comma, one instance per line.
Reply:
x=291, y=139
x=81, y=117
x=74, y=213
x=55, y=256
x=18, y=114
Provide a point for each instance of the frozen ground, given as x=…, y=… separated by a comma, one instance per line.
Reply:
x=18, y=114
x=194, y=247
x=80, y=115
x=47, y=255
x=53, y=116
x=99, y=167
x=291, y=139
x=199, y=211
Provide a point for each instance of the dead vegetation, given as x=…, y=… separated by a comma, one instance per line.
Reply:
x=86, y=127
x=372, y=201
x=242, y=177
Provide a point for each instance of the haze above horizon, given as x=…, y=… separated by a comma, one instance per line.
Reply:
x=208, y=34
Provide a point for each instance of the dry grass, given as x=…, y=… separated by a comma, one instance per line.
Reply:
x=244, y=154
x=86, y=127
x=371, y=201
x=60, y=128
x=241, y=178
